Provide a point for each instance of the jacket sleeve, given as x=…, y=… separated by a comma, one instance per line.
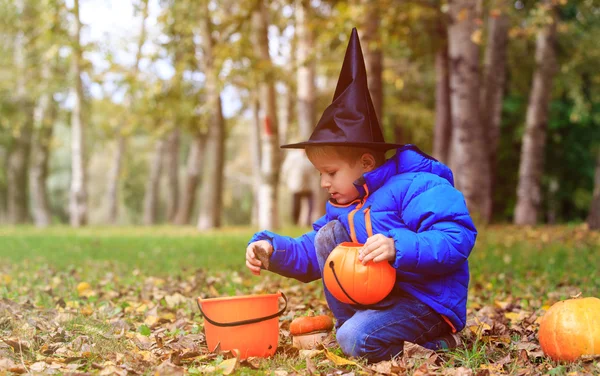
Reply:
x=294, y=257
x=440, y=233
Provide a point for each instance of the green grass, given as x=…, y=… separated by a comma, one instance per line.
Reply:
x=133, y=268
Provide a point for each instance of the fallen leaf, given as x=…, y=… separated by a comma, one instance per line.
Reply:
x=309, y=353
x=311, y=367
x=338, y=360
x=84, y=289
x=263, y=256
x=227, y=366
x=167, y=368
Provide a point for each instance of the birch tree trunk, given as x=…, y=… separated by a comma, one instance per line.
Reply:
x=192, y=178
x=152, y=191
x=78, y=209
x=593, y=219
x=373, y=56
x=172, y=167
x=305, y=83
x=45, y=118
x=470, y=156
x=3, y=187
x=19, y=152
x=529, y=193
x=442, y=136
x=212, y=180
x=268, y=217
x=307, y=117
x=114, y=175
x=493, y=84
x=256, y=155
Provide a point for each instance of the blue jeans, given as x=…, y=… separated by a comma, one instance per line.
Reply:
x=378, y=334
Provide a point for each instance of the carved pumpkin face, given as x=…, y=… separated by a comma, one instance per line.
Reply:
x=349, y=281
x=571, y=328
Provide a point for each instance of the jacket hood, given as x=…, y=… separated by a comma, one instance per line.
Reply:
x=408, y=158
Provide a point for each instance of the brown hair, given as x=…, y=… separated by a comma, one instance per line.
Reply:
x=350, y=154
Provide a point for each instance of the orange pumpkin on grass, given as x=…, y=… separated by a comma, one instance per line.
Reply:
x=571, y=328
x=351, y=282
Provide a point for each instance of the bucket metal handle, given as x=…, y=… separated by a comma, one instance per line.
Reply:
x=244, y=322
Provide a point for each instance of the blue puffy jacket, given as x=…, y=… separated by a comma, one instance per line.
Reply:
x=410, y=198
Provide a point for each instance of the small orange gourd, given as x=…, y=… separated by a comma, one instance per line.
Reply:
x=309, y=331
x=351, y=282
x=311, y=324
x=571, y=328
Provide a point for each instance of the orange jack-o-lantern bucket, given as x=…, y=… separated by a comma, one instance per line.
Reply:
x=349, y=281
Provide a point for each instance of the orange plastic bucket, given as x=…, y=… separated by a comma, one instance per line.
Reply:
x=248, y=323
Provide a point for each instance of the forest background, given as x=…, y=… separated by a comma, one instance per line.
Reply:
x=175, y=113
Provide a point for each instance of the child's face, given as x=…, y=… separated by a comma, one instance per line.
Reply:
x=338, y=176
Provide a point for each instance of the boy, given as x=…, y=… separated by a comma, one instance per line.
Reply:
x=406, y=212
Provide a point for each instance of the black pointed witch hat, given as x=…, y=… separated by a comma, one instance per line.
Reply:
x=350, y=119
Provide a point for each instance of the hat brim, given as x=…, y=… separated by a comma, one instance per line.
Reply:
x=368, y=145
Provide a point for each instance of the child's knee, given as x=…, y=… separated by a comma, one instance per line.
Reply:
x=348, y=341
x=332, y=233
x=359, y=343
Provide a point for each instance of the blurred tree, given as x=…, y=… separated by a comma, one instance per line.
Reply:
x=78, y=205
x=442, y=135
x=493, y=85
x=114, y=175
x=52, y=37
x=593, y=219
x=212, y=180
x=469, y=156
x=373, y=54
x=152, y=190
x=307, y=116
x=22, y=121
x=529, y=194
x=268, y=217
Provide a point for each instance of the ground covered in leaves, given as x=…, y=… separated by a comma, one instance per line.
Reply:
x=123, y=302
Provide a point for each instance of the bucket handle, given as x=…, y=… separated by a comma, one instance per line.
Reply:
x=244, y=322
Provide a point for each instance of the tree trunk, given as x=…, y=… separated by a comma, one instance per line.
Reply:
x=529, y=196
x=470, y=156
x=593, y=219
x=78, y=209
x=172, y=167
x=307, y=116
x=3, y=187
x=152, y=191
x=46, y=116
x=443, y=116
x=493, y=84
x=212, y=180
x=268, y=217
x=306, y=90
x=19, y=152
x=256, y=155
x=193, y=173
x=371, y=37
x=17, y=175
x=114, y=175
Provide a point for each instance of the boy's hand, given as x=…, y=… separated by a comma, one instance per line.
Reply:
x=257, y=255
x=377, y=248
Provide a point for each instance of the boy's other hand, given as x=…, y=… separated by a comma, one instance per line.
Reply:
x=377, y=248
x=257, y=251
